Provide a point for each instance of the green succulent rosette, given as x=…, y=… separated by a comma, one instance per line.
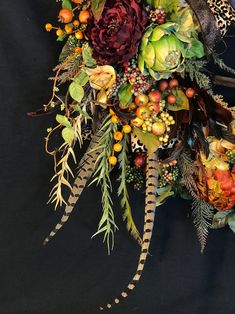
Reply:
x=165, y=47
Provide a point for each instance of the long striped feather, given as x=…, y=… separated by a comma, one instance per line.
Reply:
x=87, y=167
x=150, y=207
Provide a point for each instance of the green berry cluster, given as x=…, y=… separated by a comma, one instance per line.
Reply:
x=231, y=157
x=136, y=176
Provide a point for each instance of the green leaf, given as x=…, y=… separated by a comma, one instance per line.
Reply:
x=97, y=7
x=87, y=55
x=182, y=102
x=62, y=37
x=220, y=219
x=125, y=94
x=150, y=140
x=183, y=37
x=76, y=91
x=84, y=113
x=196, y=49
x=66, y=4
x=68, y=135
x=163, y=194
x=63, y=120
x=231, y=221
x=82, y=78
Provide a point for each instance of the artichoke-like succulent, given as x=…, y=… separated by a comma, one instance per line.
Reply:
x=161, y=52
x=165, y=47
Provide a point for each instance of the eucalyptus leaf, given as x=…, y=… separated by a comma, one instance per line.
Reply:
x=150, y=140
x=68, y=135
x=76, y=91
x=63, y=120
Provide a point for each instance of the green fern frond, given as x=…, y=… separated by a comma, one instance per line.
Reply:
x=123, y=192
x=195, y=68
x=202, y=217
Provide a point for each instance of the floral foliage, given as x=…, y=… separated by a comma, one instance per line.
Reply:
x=132, y=82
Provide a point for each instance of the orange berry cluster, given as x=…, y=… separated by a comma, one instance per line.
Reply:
x=76, y=26
x=118, y=136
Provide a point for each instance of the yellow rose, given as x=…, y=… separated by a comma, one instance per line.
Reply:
x=101, y=77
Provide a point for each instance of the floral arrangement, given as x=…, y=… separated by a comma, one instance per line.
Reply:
x=132, y=83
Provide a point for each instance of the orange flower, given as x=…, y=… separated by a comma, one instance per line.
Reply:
x=215, y=182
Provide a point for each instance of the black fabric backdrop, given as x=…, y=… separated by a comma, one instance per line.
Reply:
x=74, y=274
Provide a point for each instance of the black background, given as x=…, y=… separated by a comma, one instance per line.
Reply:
x=74, y=274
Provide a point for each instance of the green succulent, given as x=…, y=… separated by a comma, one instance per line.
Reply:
x=164, y=48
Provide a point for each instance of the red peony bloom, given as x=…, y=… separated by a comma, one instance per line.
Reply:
x=115, y=37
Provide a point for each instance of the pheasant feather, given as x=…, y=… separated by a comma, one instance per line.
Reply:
x=87, y=167
x=150, y=207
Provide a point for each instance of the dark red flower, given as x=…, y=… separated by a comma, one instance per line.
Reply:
x=115, y=37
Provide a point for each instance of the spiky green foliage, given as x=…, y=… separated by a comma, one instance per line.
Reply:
x=202, y=217
x=101, y=176
x=217, y=60
x=123, y=192
x=195, y=68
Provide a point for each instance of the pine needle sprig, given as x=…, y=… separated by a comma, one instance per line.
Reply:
x=195, y=69
x=123, y=192
x=70, y=69
x=187, y=169
x=202, y=218
x=101, y=176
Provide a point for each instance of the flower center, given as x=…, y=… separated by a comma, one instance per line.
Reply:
x=172, y=59
x=113, y=26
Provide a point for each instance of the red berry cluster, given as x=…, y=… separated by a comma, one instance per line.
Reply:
x=139, y=82
x=158, y=16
